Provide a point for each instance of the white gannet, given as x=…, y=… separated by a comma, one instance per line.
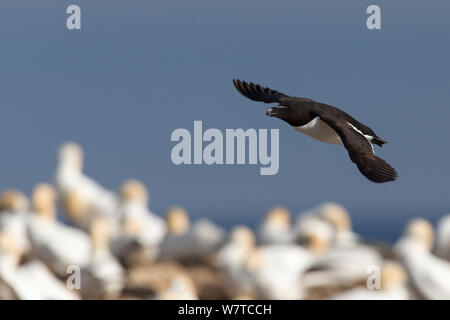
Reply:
x=276, y=270
x=314, y=232
x=10, y=256
x=184, y=241
x=14, y=215
x=13, y=201
x=347, y=260
x=339, y=217
x=340, y=268
x=141, y=228
x=392, y=286
x=103, y=277
x=58, y=245
x=276, y=227
x=429, y=274
x=82, y=197
x=348, y=263
x=234, y=256
x=443, y=238
x=180, y=287
x=29, y=281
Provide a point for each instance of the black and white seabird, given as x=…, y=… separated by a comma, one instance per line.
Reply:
x=327, y=124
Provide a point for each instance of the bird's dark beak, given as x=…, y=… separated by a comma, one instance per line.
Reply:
x=274, y=111
x=269, y=112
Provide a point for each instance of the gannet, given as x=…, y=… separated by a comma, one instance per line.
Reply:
x=14, y=216
x=234, y=256
x=31, y=280
x=58, y=245
x=429, y=274
x=393, y=286
x=82, y=198
x=103, y=277
x=184, y=241
x=443, y=238
x=141, y=228
x=276, y=227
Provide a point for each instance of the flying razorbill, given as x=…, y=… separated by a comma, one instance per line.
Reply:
x=327, y=124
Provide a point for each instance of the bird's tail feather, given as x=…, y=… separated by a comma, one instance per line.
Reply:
x=383, y=172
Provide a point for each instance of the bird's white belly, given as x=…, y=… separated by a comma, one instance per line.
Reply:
x=319, y=130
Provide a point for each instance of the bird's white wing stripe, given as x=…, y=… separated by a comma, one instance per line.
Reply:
x=368, y=138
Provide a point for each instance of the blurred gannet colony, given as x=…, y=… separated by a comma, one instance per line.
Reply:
x=120, y=249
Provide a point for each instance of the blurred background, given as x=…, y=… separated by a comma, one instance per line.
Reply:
x=138, y=70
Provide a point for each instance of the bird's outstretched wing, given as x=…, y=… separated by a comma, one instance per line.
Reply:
x=258, y=93
x=361, y=152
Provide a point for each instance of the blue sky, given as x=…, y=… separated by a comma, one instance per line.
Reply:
x=140, y=69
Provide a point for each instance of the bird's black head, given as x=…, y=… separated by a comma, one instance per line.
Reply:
x=296, y=112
